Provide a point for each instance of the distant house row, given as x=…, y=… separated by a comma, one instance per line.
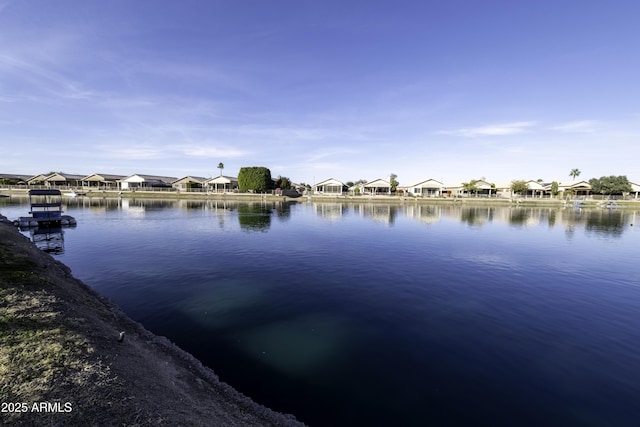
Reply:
x=331, y=186
x=435, y=188
x=100, y=181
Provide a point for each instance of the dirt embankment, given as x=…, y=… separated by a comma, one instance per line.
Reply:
x=61, y=362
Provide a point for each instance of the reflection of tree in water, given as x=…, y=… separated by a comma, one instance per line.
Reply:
x=254, y=217
x=283, y=210
x=476, y=215
x=552, y=218
x=608, y=222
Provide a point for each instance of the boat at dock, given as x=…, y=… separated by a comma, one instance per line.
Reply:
x=46, y=210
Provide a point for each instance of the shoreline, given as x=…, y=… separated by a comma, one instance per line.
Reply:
x=59, y=348
x=385, y=199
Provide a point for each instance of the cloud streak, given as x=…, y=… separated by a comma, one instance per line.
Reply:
x=581, y=126
x=491, y=130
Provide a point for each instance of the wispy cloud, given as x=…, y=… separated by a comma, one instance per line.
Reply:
x=491, y=130
x=581, y=126
x=212, y=152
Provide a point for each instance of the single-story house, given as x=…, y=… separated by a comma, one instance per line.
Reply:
x=581, y=188
x=221, y=184
x=428, y=188
x=102, y=180
x=536, y=189
x=377, y=186
x=36, y=180
x=635, y=190
x=483, y=187
x=330, y=186
x=63, y=179
x=189, y=183
x=146, y=181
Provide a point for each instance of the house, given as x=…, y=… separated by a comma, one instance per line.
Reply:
x=102, y=180
x=36, y=180
x=63, y=179
x=581, y=188
x=221, y=184
x=483, y=189
x=330, y=186
x=139, y=181
x=428, y=188
x=189, y=183
x=635, y=190
x=377, y=186
x=535, y=189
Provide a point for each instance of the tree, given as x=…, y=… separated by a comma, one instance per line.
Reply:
x=519, y=186
x=220, y=166
x=610, y=185
x=393, y=181
x=283, y=182
x=349, y=184
x=254, y=178
x=554, y=188
x=574, y=173
x=471, y=186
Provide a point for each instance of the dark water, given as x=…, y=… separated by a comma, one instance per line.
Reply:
x=361, y=314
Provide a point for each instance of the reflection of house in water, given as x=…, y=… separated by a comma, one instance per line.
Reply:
x=423, y=213
x=330, y=211
x=379, y=213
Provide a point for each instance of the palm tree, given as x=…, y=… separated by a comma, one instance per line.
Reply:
x=220, y=166
x=574, y=173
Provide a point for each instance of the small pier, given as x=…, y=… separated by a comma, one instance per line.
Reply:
x=46, y=210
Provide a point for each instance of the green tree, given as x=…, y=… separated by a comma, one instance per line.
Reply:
x=574, y=173
x=554, y=188
x=519, y=186
x=283, y=182
x=349, y=184
x=471, y=186
x=393, y=181
x=610, y=185
x=220, y=166
x=254, y=178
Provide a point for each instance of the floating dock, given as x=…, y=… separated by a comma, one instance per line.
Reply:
x=46, y=210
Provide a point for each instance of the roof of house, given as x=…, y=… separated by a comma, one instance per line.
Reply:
x=221, y=179
x=330, y=181
x=190, y=178
x=378, y=183
x=167, y=179
x=103, y=177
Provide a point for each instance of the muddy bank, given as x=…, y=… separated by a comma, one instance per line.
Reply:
x=62, y=363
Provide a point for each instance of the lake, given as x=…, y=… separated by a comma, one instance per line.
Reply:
x=380, y=314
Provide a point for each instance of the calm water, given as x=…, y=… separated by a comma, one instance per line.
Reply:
x=361, y=314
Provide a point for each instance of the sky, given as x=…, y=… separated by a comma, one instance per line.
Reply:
x=348, y=89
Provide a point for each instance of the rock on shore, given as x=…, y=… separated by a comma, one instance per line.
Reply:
x=62, y=363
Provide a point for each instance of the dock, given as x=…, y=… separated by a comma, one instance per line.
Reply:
x=46, y=210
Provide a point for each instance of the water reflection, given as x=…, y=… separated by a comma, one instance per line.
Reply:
x=257, y=216
x=49, y=239
x=254, y=216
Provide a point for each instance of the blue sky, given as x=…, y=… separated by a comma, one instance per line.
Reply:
x=451, y=90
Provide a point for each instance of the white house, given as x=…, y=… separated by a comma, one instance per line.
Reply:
x=428, y=188
x=377, y=186
x=635, y=190
x=102, y=180
x=189, y=183
x=330, y=186
x=221, y=184
x=146, y=181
